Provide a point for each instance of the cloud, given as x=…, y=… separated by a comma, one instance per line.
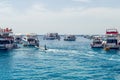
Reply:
x=84, y=1
x=93, y=11
x=39, y=7
x=107, y=16
x=39, y=19
x=5, y=8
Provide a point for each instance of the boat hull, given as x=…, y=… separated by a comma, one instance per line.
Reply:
x=96, y=46
x=115, y=47
x=31, y=45
x=69, y=39
x=50, y=38
x=8, y=47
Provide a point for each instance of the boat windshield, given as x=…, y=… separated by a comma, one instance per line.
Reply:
x=97, y=42
x=18, y=38
x=31, y=39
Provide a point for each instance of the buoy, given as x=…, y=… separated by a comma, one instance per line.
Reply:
x=107, y=48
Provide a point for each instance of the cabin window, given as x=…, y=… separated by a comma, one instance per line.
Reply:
x=12, y=41
x=18, y=39
x=97, y=42
x=5, y=42
x=30, y=39
x=112, y=41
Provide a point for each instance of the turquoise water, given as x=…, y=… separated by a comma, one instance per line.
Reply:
x=62, y=61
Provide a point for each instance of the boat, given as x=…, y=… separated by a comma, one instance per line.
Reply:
x=97, y=42
x=51, y=36
x=69, y=38
x=18, y=38
x=112, y=39
x=6, y=39
x=30, y=40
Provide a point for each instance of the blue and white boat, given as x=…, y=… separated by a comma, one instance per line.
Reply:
x=69, y=38
x=6, y=39
x=31, y=40
x=51, y=36
x=112, y=39
x=18, y=38
x=97, y=42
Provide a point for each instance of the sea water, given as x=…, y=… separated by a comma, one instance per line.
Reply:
x=64, y=60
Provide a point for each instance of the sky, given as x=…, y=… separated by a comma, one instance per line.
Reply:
x=62, y=16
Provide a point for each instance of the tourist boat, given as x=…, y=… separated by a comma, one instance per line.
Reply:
x=51, y=36
x=97, y=42
x=31, y=40
x=70, y=38
x=18, y=38
x=6, y=39
x=112, y=39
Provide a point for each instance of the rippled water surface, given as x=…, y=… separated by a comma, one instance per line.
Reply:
x=62, y=61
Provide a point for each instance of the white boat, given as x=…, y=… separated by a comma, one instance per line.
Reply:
x=31, y=40
x=51, y=36
x=70, y=38
x=18, y=38
x=97, y=42
x=112, y=39
x=6, y=39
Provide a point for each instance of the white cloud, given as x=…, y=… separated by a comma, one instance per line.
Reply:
x=39, y=19
x=38, y=7
x=85, y=1
x=5, y=8
x=100, y=12
x=103, y=15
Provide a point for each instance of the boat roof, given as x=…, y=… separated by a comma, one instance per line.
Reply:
x=31, y=35
x=52, y=34
x=5, y=31
x=72, y=36
x=112, y=31
x=18, y=34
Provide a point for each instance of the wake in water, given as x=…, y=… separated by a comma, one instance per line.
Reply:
x=69, y=60
x=62, y=51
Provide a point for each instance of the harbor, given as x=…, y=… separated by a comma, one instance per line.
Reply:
x=60, y=61
x=59, y=40
x=31, y=56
